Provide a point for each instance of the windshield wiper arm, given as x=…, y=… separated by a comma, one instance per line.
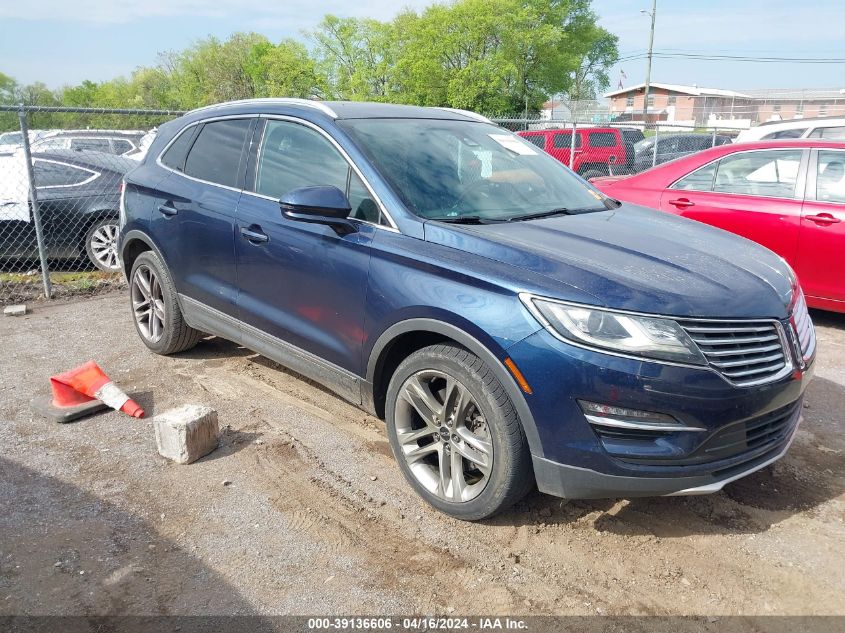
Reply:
x=464, y=219
x=542, y=214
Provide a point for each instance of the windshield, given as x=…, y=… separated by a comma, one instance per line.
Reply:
x=643, y=146
x=466, y=171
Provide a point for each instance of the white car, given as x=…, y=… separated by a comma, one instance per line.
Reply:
x=830, y=128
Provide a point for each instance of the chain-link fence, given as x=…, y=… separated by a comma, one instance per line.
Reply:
x=61, y=171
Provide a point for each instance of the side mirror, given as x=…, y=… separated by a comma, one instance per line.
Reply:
x=319, y=205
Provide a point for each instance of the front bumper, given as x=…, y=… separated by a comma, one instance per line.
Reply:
x=572, y=482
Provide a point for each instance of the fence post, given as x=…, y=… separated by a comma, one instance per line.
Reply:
x=35, y=209
x=656, y=137
x=572, y=145
x=713, y=142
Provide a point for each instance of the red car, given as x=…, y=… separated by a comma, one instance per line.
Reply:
x=786, y=195
x=599, y=151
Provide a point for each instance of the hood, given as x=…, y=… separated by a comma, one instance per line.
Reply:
x=633, y=258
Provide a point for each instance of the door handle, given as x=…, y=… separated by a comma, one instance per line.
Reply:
x=166, y=209
x=823, y=218
x=254, y=236
x=682, y=203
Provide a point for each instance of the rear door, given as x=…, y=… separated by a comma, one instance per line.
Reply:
x=194, y=222
x=821, y=257
x=756, y=194
x=561, y=145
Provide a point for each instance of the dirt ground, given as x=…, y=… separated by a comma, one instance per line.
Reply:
x=303, y=511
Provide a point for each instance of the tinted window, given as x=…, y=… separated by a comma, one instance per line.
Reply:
x=121, y=146
x=795, y=133
x=536, y=139
x=58, y=174
x=293, y=156
x=699, y=180
x=632, y=136
x=175, y=155
x=602, y=139
x=216, y=154
x=563, y=140
x=834, y=133
x=830, y=178
x=90, y=144
x=766, y=173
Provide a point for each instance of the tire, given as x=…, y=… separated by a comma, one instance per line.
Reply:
x=592, y=173
x=430, y=452
x=101, y=244
x=155, y=310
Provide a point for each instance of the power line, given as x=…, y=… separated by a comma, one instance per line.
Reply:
x=738, y=58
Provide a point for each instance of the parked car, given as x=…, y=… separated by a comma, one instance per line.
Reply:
x=599, y=151
x=788, y=196
x=79, y=200
x=507, y=320
x=10, y=142
x=828, y=128
x=672, y=146
x=119, y=142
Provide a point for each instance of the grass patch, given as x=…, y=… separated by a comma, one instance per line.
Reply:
x=19, y=287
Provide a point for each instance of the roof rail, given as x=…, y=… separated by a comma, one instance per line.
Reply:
x=470, y=114
x=308, y=103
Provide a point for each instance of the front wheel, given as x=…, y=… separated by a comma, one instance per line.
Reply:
x=455, y=433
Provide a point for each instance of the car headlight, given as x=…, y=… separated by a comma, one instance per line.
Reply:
x=650, y=337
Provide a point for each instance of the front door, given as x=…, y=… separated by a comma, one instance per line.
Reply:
x=821, y=257
x=303, y=284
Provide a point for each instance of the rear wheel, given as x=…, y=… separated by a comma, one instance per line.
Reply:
x=101, y=244
x=593, y=173
x=455, y=433
x=155, y=309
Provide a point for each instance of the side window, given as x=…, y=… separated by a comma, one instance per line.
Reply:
x=293, y=156
x=121, y=146
x=216, y=154
x=90, y=144
x=49, y=174
x=536, y=139
x=563, y=140
x=175, y=155
x=830, y=177
x=699, y=180
x=794, y=133
x=602, y=139
x=832, y=133
x=770, y=173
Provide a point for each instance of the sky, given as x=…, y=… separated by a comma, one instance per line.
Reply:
x=65, y=41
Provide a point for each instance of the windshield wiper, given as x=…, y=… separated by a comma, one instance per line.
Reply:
x=542, y=214
x=464, y=219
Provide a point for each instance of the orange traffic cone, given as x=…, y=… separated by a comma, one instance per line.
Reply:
x=83, y=391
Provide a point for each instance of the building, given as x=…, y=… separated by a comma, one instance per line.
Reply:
x=696, y=106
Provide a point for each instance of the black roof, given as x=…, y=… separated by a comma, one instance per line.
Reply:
x=99, y=161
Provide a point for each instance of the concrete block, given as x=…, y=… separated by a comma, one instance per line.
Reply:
x=187, y=433
x=16, y=310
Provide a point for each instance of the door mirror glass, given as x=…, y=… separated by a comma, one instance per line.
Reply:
x=325, y=204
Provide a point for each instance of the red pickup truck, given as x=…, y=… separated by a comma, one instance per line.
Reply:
x=599, y=151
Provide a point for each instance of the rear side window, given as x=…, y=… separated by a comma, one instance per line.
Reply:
x=602, y=139
x=794, y=133
x=563, y=140
x=175, y=155
x=48, y=174
x=831, y=133
x=121, y=146
x=536, y=139
x=216, y=154
x=830, y=177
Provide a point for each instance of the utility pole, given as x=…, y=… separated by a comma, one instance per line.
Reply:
x=653, y=14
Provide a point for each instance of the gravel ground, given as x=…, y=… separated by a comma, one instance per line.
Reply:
x=302, y=510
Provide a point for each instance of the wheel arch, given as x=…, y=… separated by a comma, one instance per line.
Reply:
x=132, y=244
x=407, y=336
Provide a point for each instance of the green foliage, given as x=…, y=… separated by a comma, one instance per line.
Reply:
x=487, y=55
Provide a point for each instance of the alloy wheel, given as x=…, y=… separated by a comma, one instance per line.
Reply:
x=148, y=303
x=104, y=246
x=443, y=436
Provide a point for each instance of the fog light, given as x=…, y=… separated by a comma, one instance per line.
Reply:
x=621, y=417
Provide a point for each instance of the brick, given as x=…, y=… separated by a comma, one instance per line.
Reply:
x=186, y=433
x=16, y=310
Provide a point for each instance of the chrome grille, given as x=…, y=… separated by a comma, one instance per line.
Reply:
x=802, y=326
x=744, y=352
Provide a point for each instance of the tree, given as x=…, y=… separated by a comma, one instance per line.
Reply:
x=591, y=78
x=284, y=70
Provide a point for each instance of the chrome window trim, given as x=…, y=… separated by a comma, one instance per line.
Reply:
x=94, y=174
x=292, y=119
x=789, y=362
x=308, y=103
x=799, y=181
x=467, y=113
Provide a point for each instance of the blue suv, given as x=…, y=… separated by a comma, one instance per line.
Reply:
x=511, y=324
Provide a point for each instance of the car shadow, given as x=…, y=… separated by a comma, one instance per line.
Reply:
x=213, y=348
x=67, y=552
x=828, y=319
